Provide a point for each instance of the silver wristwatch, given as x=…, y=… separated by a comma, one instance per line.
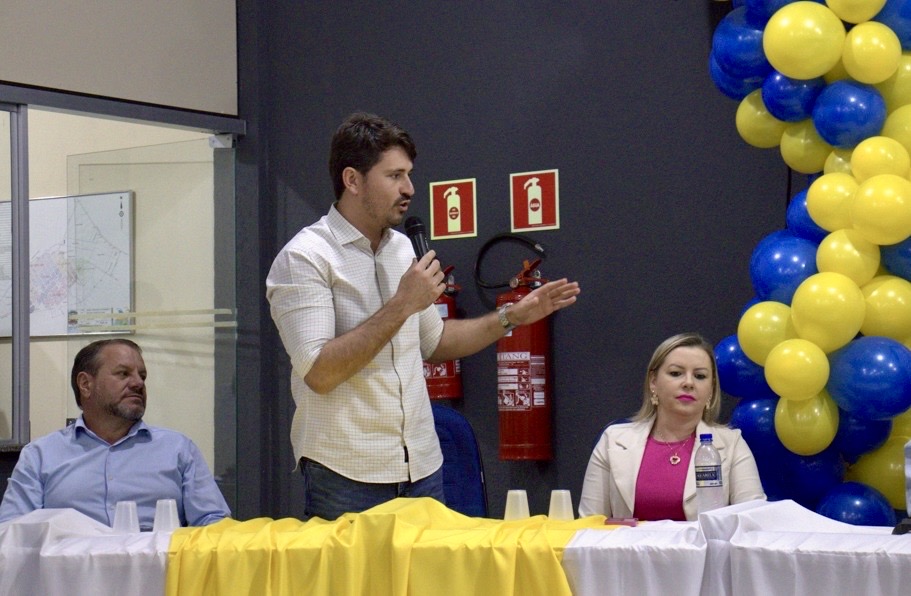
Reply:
x=501, y=313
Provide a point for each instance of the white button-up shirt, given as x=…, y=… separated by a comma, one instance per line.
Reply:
x=325, y=282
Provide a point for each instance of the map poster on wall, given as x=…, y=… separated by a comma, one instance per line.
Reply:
x=80, y=263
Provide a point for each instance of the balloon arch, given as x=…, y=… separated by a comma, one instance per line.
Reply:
x=821, y=359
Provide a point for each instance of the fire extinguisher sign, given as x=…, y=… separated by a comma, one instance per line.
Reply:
x=534, y=200
x=452, y=209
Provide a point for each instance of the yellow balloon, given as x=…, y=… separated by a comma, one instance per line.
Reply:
x=808, y=426
x=872, y=52
x=901, y=426
x=839, y=160
x=884, y=470
x=881, y=210
x=828, y=310
x=797, y=369
x=762, y=327
x=888, y=307
x=803, y=40
x=829, y=200
x=896, y=90
x=882, y=270
x=849, y=253
x=756, y=125
x=803, y=149
x=898, y=126
x=879, y=155
x=855, y=11
x=836, y=73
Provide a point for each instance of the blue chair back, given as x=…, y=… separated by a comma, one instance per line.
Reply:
x=463, y=470
x=604, y=428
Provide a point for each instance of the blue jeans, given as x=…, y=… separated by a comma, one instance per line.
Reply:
x=329, y=494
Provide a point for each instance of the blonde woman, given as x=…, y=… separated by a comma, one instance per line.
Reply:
x=644, y=468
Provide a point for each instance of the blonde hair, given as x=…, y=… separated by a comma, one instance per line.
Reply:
x=683, y=340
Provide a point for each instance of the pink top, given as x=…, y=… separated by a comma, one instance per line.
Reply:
x=659, y=487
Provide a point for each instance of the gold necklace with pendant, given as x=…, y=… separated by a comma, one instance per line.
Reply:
x=675, y=458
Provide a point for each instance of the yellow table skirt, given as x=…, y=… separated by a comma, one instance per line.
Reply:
x=405, y=546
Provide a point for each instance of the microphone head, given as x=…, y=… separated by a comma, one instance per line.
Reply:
x=414, y=228
x=414, y=225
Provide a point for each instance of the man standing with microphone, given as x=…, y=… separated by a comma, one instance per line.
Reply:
x=354, y=309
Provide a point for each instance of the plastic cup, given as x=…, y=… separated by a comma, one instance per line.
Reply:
x=561, y=506
x=516, y=505
x=126, y=518
x=166, y=519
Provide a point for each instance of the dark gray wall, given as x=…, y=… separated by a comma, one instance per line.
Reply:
x=661, y=201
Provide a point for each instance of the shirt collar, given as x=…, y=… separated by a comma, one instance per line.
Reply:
x=346, y=233
x=141, y=426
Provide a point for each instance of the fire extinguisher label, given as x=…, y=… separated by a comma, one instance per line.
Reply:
x=520, y=381
x=537, y=375
x=442, y=370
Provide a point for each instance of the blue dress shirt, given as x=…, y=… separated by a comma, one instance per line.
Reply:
x=74, y=468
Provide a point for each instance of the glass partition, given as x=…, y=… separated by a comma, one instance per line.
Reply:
x=173, y=192
x=183, y=313
x=6, y=277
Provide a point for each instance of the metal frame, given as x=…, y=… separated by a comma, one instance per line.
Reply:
x=121, y=110
x=20, y=283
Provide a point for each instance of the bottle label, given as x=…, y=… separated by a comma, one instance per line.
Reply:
x=708, y=476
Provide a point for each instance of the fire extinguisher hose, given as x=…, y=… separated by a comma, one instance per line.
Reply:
x=507, y=237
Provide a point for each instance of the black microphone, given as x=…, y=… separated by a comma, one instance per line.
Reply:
x=416, y=231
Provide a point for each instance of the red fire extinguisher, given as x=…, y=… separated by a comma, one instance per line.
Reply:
x=523, y=378
x=444, y=379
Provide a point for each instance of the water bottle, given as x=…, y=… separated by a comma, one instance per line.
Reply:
x=709, y=484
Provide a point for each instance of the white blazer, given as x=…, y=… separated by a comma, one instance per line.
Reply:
x=610, y=479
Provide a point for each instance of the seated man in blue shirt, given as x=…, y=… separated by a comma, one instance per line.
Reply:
x=110, y=454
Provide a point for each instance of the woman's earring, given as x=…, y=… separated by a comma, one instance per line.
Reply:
x=654, y=399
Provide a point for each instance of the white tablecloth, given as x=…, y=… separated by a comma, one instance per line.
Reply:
x=721, y=526
x=654, y=558
x=61, y=551
x=755, y=548
x=748, y=549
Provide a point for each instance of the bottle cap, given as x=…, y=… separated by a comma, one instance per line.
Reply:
x=705, y=437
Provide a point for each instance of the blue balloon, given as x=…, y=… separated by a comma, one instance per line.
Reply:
x=733, y=87
x=756, y=420
x=737, y=46
x=857, y=436
x=810, y=477
x=790, y=100
x=738, y=375
x=775, y=483
x=760, y=11
x=858, y=504
x=870, y=378
x=784, y=474
x=897, y=258
x=779, y=263
x=896, y=14
x=847, y=112
x=751, y=302
x=799, y=221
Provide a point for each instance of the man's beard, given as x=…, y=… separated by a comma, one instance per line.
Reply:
x=121, y=410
